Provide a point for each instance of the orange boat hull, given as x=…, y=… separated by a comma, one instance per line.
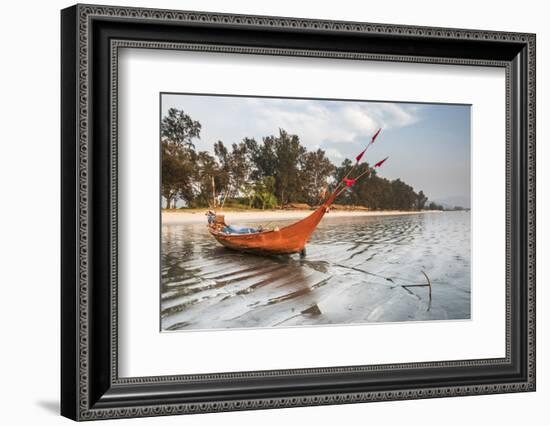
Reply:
x=287, y=240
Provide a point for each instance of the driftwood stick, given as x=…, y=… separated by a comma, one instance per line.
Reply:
x=406, y=288
x=429, y=285
x=430, y=292
x=415, y=285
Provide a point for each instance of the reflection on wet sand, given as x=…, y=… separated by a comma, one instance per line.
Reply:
x=357, y=270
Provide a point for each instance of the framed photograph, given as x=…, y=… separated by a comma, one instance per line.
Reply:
x=263, y=212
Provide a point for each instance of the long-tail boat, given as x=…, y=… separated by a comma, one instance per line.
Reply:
x=286, y=240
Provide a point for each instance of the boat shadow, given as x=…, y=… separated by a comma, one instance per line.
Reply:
x=292, y=260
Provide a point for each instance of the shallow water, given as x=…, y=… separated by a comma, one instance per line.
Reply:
x=357, y=270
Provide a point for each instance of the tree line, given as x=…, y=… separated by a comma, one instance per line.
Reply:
x=274, y=172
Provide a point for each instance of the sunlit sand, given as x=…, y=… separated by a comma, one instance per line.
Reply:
x=197, y=216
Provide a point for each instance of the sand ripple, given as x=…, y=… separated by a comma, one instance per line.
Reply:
x=353, y=273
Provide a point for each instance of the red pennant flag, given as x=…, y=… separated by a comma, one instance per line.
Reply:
x=375, y=135
x=349, y=182
x=358, y=158
x=381, y=162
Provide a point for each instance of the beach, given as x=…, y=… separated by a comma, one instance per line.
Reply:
x=360, y=267
x=174, y=217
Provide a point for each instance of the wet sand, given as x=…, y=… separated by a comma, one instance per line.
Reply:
x=174, y=217
x=356, y=270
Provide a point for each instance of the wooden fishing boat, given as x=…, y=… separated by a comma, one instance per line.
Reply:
x=287, y=240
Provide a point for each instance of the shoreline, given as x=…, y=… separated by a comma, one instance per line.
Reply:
x=243, y=216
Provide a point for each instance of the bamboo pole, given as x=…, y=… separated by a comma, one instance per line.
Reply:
x=224, y=198
x=214, y=192
x=357, y=162
x=357, y=178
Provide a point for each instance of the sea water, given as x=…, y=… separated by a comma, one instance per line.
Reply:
x=356, y=270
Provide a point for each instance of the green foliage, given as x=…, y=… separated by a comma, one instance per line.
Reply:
x=178, y=156
x=288, y=152
x=377, y=193
x=264, y=196
x=421, y=200
x=277, y=171
x=206, y=169
x=178, y=173
x=316, y=169
x=435, y=206
x=234, y=168
x=179, y=129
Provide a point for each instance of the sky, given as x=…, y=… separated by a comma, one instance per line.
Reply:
x=428, y=144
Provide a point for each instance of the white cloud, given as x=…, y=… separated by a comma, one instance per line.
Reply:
x=317, y=123
x=359, y=119
x=334, y=153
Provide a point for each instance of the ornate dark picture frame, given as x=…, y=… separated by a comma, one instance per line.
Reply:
x=90, y=386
